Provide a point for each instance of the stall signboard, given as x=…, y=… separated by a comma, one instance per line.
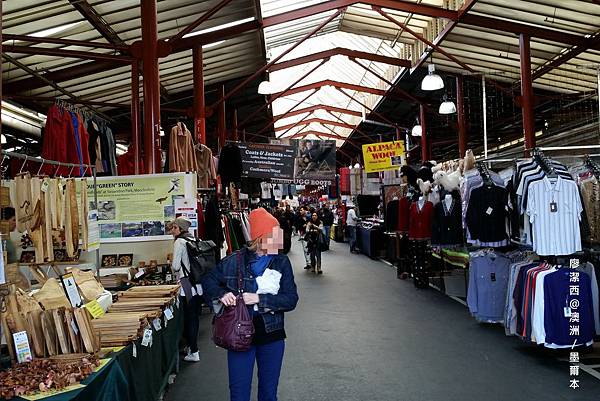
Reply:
x=314, y=162
x=383, y=156
x=138, y=207
x=266, y=161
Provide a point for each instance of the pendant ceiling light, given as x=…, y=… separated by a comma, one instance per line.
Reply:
x=432, y=81
x=447, y=106
x=265, y=88
x=417, y=130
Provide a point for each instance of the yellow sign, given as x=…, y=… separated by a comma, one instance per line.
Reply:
x=383, y=156
x=95, y=309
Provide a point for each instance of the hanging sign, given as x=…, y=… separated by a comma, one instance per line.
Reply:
x=263, y=160
x=315, y=162
x=383, y=156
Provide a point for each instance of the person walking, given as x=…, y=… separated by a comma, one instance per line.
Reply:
x=314, y=239
x=351, y=222
x=327, y=219
x=287, y=226
x=267, y=307
x=301, y=222
x=189, y=296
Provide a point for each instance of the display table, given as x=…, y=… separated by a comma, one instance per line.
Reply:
x=369, y=241
x=133, y=378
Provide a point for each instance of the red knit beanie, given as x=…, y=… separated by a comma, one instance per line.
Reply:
x=261, y=223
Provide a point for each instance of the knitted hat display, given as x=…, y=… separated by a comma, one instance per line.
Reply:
x=261, y=223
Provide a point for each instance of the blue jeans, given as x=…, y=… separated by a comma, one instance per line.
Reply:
x=269, y=358
x=327, y=234
x=352, y=234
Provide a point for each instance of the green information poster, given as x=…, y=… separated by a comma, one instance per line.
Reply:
x=137, y=208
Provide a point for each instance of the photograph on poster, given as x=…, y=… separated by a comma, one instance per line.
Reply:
x=133, y=230
x=110, y=230
x=152, y=228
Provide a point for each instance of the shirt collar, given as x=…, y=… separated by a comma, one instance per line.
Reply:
x=549, y=186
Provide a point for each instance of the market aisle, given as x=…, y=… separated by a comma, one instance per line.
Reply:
x=359, y=334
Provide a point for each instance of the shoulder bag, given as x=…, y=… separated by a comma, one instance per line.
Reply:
x=233, y=328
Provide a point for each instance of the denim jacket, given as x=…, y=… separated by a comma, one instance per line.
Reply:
x=224, y=279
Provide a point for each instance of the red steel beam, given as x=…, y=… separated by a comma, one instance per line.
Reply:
x=199, y=102
x=384, y=118
x=425, y=149
x=204, y=17
x=221, y=122
x=462, y=123
x=422, y=39
x=289, y=111
x=151, y=86
x=566, y=56
x=317, y=120
x=277, y=96
x=400, y=5
x=36, y=51
x=95, y=19
x=339, y=51
x=341, y=138
x=464, y=9
x=527, y=92
x=276, y=59
x=355, y=128
x=392, y=88
x=214, y=36
x=318, y=107
x=294, y=125
x=336, y=84
x=67, y=42
x=135, y=115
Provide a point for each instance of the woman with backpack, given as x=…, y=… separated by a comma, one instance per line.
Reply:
x=190, y=295
x=269, y=290
x=315, y=240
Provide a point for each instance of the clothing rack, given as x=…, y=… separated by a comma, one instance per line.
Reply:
x=6, y=154
x=76, y=109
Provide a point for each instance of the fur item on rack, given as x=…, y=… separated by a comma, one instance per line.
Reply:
x=424, y=186
x=425, y=173
x=469, y=162
x=450, y=181
x=437, y=168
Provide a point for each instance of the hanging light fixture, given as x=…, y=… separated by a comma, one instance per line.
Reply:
x=265, y=88
x=432, y=81
x=417, y=130
x=447, y=106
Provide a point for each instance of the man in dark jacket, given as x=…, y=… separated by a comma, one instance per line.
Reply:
x=327, y=219
x=301, y=221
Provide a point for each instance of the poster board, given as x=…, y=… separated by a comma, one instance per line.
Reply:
x=383, y=156
x=263, y=160
x=138, y=207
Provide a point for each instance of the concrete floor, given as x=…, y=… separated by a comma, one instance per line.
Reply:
x=360, y=334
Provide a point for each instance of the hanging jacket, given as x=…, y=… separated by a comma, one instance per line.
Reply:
x=182, y=157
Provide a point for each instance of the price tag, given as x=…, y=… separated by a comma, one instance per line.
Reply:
x=156, y=324
x=134, y=351
x=169, y=313
x=553, y=207
x=567, y=311
x=168, y=277
x=493, y=276
x=147, y=339
x=489, y=211
x=22, y=348
x=74, y=327
x=95, y=309
x=139, y=274
x=45, y=186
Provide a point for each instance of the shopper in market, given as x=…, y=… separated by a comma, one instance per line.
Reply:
x=326, y=217
x=190, y=295
x=351, y=222
x=301, y=222
x=267, y=302
x=315, y=240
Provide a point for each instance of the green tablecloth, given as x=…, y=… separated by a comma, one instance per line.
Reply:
x=129, y=378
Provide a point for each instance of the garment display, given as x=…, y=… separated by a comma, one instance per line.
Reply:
x=391, y=215
x=404, y=214
x=102, y=147
x=182, y=157
x=421, y=213
x=205, y=166
x=266, y=190
x=127, y=163
x=447, y=222
x=420, y=260
x=488, y=283
x=230, y=163
x=487, y=213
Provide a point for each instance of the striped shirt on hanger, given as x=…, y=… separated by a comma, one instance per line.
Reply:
x=554, y=209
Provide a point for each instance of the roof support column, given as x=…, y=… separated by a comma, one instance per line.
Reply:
x=527, y=92
x=221, y=123
x=462, y=124
x=151, y=87
x=135, y=115
x=425, y=150
x=234, y=126
x=199, y=102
